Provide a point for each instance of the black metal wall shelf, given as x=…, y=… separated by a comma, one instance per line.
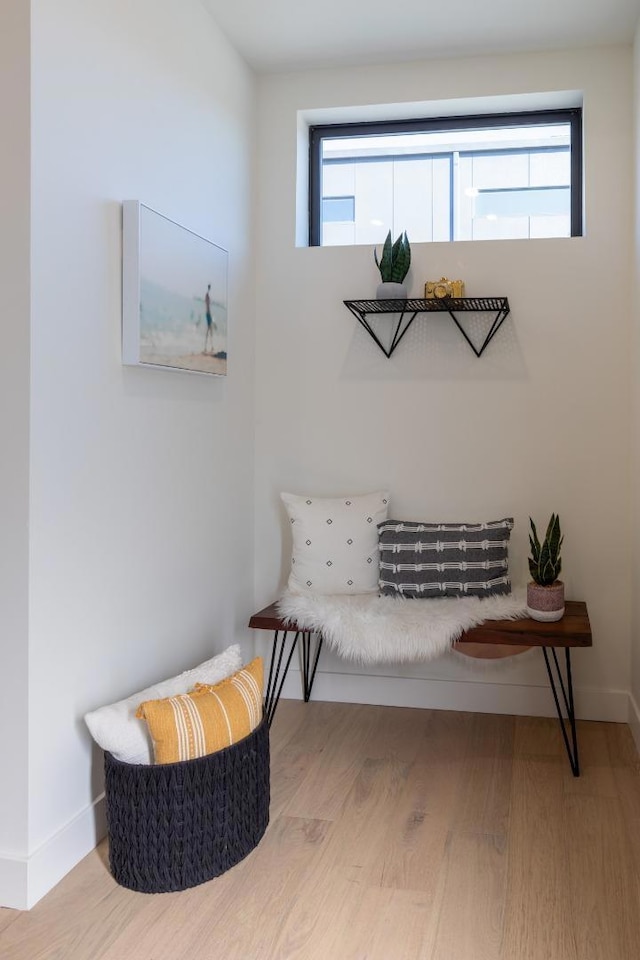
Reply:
x=409, y=309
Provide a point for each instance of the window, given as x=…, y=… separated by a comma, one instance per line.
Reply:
x=338, y=209
x=498, y=176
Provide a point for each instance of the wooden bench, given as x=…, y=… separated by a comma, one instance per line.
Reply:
x=493, y=638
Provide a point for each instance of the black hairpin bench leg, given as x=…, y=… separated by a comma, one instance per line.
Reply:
x=279, y=667
x=278, y=674
x=567, y=697
x=308, y=671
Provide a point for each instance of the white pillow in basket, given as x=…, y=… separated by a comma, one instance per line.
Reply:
x=115, y=727
x=335, y=542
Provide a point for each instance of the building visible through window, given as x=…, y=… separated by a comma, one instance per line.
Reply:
x=467, y=178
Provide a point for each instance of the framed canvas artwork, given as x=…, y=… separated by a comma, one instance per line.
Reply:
x=174, y=295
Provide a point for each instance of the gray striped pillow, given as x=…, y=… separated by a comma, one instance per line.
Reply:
x=424, y=560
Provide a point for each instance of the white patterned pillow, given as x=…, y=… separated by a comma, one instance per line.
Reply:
x=335, y=542
x=116, y=728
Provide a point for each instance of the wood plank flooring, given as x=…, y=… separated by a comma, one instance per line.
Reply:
x=395, y=834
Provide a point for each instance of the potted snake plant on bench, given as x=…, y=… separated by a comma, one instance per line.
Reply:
x=545, y=593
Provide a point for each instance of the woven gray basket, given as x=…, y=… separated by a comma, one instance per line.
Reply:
x=175, y=825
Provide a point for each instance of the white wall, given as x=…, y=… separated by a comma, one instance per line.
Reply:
x=634, y=711
x=540, y=423
x=14, y=434
x=141, y=510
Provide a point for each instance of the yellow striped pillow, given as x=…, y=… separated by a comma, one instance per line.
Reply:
x=207, y=719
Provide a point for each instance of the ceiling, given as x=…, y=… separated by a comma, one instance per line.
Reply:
x=278, y=35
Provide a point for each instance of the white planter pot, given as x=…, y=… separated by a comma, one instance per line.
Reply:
x=391, y=291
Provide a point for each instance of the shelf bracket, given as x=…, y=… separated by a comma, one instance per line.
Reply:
x=499, y=319
x=402, y=324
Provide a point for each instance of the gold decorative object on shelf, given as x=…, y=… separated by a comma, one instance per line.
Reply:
x=443, y=288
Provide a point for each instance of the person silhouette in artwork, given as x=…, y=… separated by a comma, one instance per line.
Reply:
x=208, y=337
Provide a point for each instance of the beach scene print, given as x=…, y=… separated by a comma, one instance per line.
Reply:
x=183, y=297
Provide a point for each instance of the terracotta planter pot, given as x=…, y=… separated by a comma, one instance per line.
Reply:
x=545, y=603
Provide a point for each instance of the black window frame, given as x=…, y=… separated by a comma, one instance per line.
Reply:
x=333, y=131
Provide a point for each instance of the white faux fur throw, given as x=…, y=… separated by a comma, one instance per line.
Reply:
x=372, y=629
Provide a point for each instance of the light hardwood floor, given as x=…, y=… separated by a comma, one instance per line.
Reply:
x=395, y=834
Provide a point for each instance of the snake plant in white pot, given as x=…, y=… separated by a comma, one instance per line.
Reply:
x=545, y=594
x=393, y=266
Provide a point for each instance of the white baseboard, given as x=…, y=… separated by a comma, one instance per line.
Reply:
x=13, y=883
x=467, y=695
x=634, y=721
x=24, y=881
